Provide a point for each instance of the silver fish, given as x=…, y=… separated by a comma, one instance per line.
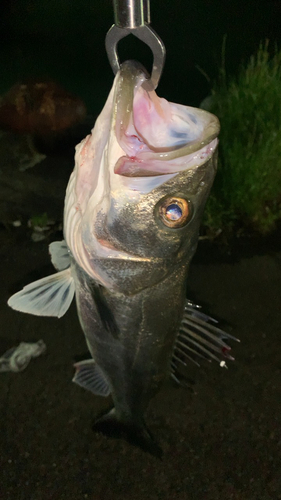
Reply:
x=133, y=207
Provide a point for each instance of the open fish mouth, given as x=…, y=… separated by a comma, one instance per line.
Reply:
x=139, y=145
x=156, y=136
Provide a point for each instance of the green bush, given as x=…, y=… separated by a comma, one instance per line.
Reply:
x=247, y=189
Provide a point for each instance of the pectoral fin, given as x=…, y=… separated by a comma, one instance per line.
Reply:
x=59, y=255
x=89, y=376
x=106, y=315
x=50, y=296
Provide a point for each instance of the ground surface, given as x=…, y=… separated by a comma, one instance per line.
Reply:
x=221, y=442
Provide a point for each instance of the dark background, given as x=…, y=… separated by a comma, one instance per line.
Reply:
x=222, y=441
x=64, y=40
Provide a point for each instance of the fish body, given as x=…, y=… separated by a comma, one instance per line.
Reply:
x=147, y=304
x=133, y=208
x=120, y=244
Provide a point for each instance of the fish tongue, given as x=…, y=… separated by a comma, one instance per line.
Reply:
x=134, y=167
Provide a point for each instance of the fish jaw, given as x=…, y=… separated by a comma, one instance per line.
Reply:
x=122, y=172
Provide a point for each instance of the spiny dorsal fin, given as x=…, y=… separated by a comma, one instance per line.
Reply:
x=89, y=376
x=199, y=338
x=50, y=296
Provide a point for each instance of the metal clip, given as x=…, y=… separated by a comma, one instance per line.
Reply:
x=133, y=16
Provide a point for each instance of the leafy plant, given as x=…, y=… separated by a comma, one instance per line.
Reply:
x=247, y=189
x=40, y=221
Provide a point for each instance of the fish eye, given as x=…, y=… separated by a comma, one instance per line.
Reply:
x=175, y=212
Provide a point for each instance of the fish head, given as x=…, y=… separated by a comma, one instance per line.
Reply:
x=137, y=193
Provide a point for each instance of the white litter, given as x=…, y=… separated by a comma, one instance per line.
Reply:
x=17, y=358
x=16, y=223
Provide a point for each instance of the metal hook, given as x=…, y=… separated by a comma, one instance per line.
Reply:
x=133, y=16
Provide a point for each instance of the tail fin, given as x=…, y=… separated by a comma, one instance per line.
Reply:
x=137, y=435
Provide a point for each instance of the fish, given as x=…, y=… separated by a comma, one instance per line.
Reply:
x=133, y=207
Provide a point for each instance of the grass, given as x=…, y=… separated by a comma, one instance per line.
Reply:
x=247, y=189
x=39, y=220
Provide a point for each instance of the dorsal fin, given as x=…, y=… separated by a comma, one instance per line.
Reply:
x=197, y=338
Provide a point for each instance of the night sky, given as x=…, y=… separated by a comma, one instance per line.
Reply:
x=65, y=41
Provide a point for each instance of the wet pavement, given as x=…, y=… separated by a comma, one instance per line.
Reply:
x=220, y=441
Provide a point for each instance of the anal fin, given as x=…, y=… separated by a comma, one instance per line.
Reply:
x=89, y=376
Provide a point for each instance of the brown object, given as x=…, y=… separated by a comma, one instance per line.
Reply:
x=40, y=108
